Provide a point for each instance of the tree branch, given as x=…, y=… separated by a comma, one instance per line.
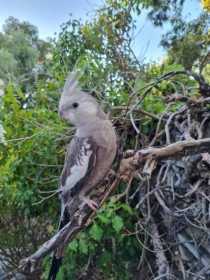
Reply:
x=175, y=150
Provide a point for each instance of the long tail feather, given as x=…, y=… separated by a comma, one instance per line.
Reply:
x=57, y=262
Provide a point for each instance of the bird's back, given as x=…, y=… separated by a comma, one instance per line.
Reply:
x=103, y=135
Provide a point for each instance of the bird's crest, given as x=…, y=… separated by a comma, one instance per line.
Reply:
x=71, y=85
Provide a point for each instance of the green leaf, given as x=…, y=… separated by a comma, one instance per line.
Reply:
x=105, y=259
x=96, y=232
x=83, y=246
x=117, y=223
x=73, y=246
x=127, y=208
x=103, y=218
x=139, y=84
x=173, y=67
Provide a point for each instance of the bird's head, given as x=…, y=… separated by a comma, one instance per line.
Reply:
x=78, y=107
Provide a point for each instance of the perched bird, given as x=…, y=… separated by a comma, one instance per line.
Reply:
x=89, y=155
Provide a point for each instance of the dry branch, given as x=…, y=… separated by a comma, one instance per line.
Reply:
x=175, y=150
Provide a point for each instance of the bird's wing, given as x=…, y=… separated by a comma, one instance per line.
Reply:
x=80, y=160
x=79, y=164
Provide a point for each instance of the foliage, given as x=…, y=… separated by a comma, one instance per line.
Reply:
x=206, y=4
x=32, y=150
x=161, y=12
x=188, y=43
x=8, y=66
x=20, y=51
x=29, y=162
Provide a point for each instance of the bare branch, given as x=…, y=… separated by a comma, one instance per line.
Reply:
x=175, y=150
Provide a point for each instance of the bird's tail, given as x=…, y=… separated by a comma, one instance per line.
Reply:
x=57, y=261
x=55, y=266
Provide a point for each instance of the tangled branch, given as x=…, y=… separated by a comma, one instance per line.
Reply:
x=129, y=165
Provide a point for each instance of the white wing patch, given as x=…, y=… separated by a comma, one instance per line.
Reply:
x=79, y=170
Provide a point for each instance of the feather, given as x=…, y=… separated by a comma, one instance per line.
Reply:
x=71, y=85
x=81, y=156
x=57, y=261
x=56, y=264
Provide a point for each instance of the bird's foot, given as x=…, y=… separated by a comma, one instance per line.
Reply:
x=91, y=203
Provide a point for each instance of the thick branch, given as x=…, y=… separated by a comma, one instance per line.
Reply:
x=175, y=150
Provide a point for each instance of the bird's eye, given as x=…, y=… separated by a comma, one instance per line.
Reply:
x=75, y=105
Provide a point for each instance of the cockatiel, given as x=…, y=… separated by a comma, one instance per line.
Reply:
x=89, y=155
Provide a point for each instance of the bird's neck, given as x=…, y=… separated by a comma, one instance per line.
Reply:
x=89, y=128
x=101, y=115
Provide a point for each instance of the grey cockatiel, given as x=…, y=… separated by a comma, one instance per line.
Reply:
x=89, y=155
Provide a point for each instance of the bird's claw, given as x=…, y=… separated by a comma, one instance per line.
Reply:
x=91, y=203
